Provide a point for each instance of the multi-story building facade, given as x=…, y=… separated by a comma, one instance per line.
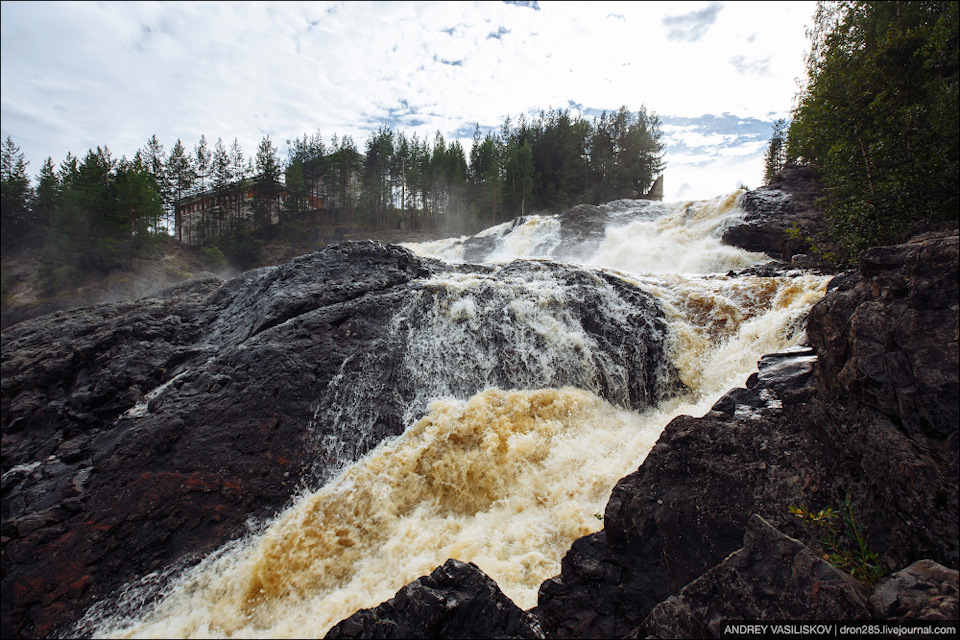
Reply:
x=205, y=215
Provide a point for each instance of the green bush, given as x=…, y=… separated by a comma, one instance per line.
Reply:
x=213, y=258
x=844, y=542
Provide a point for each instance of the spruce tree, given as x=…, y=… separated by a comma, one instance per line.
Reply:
x=201, y=164
x=45, y=201
x=776, y=154
x=266, y=186
x=15, y=196
x=181, y=176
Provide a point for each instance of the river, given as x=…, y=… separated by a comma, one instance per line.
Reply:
x=509, y=477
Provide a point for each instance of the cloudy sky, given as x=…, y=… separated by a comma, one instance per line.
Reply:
x=78, y=75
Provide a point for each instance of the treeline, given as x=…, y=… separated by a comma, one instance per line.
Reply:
x=878, y=118
x=99, y=212
x=87, y=215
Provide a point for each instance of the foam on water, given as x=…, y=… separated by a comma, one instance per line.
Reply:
x=683, y=238
x=640, y=237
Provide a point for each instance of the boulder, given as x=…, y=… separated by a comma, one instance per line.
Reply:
x=456, y=600
x=780, y=216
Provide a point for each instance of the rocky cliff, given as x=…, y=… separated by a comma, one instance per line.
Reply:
x=782, y=217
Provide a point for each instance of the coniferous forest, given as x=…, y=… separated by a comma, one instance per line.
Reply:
x=98, y=212
x=878, y=119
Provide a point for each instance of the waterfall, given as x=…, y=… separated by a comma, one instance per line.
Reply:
x=519, y=418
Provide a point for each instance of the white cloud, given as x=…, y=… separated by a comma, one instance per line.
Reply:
x=692, y=26
x=77, y=75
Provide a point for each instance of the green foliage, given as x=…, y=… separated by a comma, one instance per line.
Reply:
x=267, y=186
x=814, y=244
x=16, y=219
x=879, y=117
x=844, y=542
x=213, y=258
x=242, y=246
x=296, y=189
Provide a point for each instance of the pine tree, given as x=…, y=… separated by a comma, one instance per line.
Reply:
x=220, y=176
x=296, y=188
x=240, y=175
x=484, y=174
x=376, y=174
x=155, y=162
x=398, y=173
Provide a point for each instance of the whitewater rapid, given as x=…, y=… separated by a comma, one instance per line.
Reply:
x=506, y=478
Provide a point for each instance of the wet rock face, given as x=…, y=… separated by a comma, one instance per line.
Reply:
x=104, y=482
x=140, y=435
x=456, y=600
x=687, y=507
x=889, y=336
x=772, y=577
x=581, y=230
x=788, y=202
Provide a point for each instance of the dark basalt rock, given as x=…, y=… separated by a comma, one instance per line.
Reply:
x=98, y=491
x=890, y=336
x=788, y=202
x=873, y=418
x=773, y=577
x=582, y=229
x=95, y=495
x=456, y=600
x=887, y=338
x=687, y=507
x=479, y=248
x=141, y=436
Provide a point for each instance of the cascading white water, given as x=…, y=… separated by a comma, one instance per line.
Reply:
x=505, y=478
